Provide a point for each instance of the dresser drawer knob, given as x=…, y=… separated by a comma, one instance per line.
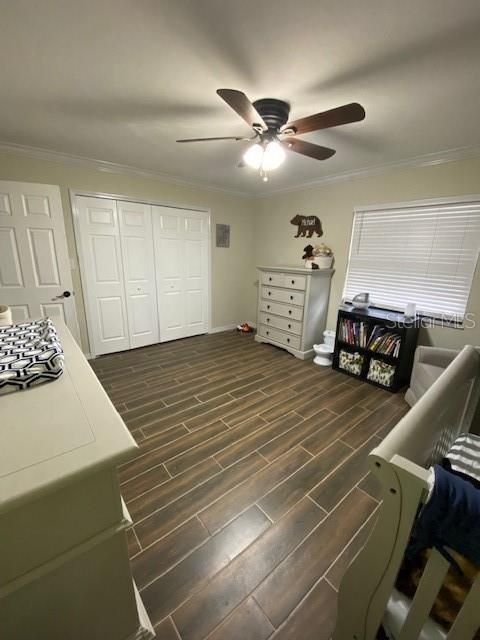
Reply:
x=288, y=339
x=269, y=293
x=270, y=279
x=293, y=281
x=268, y=319
x=290, y=312
x=291, y=297
x=268, y=306
x=289, y=326
x=267, y=332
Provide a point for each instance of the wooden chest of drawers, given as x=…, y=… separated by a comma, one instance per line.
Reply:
x=292, y=308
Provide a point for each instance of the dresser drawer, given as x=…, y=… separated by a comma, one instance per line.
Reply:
x=46, y=526
x=286, y=324
x=279, y=336
x=289, y=280
x=287, y=311
x=272, y=278
x=293, y=281
x=283, y=295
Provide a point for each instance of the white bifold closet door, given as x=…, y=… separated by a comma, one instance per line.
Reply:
x=118, y=273
x=181, y=258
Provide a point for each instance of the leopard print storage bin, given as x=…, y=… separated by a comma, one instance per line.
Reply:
x=381, y=372
x=351, y=362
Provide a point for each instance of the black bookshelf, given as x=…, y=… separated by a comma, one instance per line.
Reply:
x=376, y=346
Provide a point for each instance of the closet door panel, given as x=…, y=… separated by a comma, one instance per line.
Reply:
x=193, y=260
x=194, y=309
x=108, y=290
x=168, y=222
x=111, y=316
x=135, y=260
x=140, y=321
x=139, y=272
x=196, y=272
x=98, y=241
x=173, y=314
x=169, y=268
x=106, y=261
x=181, y=258
x=194, y=224
x=169, y=256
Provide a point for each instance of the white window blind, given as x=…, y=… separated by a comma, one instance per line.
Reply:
x=424, y=253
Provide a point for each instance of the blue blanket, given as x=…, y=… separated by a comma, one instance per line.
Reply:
x=451, y=518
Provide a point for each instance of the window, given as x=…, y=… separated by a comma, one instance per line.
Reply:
x=421, y=252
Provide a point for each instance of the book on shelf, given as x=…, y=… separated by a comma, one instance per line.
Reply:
x=354, y=333
x=383, y=341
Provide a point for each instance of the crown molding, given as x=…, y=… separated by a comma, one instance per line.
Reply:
x=40, y=153
x=429, y=159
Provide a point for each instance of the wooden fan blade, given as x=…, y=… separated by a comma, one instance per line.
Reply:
x=352, y=112
x=308, y=149
x=210, y=139
x=239, y=102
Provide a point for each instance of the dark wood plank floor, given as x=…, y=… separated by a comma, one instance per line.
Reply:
x=250, y=493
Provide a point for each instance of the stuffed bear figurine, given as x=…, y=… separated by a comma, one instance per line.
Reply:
x=308, y=252
x=309, y=257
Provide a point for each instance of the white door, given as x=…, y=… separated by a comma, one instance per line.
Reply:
x=181, y=257
x=139, y=272
x=98, y=242
x=35, y=276
x=115, y=246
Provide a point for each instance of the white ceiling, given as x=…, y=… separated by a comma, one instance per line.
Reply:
x=120, y=80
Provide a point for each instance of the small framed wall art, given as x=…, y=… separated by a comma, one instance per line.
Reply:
x=223, y=235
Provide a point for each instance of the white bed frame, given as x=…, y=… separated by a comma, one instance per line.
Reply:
x=400, y=463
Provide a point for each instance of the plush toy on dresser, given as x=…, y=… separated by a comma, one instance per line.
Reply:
x=309, y=257
x=318, y=257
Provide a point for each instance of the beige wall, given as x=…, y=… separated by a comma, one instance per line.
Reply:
x=233, y=271
x=334, y=203
x=260, y=228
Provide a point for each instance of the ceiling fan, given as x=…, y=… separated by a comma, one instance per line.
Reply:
x=273, y=133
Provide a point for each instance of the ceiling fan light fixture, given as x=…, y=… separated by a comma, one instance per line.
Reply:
x=265, y=157
x=253, y=156
x=273, y=156
x=269, y=119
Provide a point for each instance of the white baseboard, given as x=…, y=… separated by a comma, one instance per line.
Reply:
x=230, y=327
x=227, y=327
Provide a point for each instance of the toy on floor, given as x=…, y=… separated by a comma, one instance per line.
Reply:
x=244, y=328
x=324, y=351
